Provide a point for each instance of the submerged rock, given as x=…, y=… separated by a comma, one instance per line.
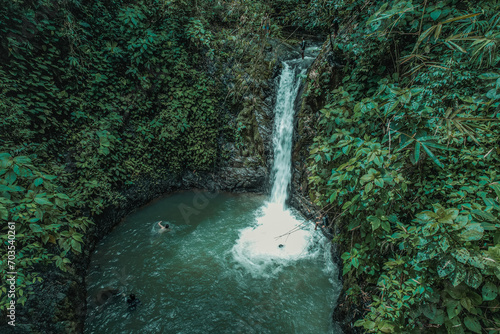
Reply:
x=104, y=295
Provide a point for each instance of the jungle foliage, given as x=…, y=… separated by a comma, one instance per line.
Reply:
x=95, y=95
x=406, y=160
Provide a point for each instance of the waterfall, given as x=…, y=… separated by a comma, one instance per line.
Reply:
x=280, y=236
x=283, y=132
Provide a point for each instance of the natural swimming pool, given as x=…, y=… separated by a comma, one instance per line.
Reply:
x=209, y=274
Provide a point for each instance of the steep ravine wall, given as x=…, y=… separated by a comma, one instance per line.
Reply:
x=59, y=302
x=308, y=106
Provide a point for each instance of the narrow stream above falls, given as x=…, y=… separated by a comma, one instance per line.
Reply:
x=231, y=263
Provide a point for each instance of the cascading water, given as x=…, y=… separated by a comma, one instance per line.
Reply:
x=280, y=236
x=283, y=132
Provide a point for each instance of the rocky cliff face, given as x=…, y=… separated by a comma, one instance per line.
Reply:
x=307, y=108
x=58, y=304
x=307, y=113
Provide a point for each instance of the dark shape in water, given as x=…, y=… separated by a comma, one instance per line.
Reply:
x=105, y=294
x=132, y=302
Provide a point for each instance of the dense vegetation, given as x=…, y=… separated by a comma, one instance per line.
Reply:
x=406, y=160
x=96, y=95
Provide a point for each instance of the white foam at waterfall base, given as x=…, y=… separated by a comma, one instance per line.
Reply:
x=258, y=248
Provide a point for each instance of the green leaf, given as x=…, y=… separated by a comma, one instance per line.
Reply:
x=22, y=300
x=445, y=268
x=452, y=308
x=368, y=187
x=386, y=226
x=386, y=327
x=367, y=324
x=346, y=205
x=333, y=196
x=432, y=156
x=435, y=14
x=472, y=324
x=449, y=216
x=474, y=279
x=375, y=222
x=5, y=160
x=38, y=181
x=488, y=226
x=439, y=318
x=485, y=215
x=461, y=254
x=63, y=196
x=76, y=246
x=472, y=232
x=496, y=188
x=4, y=214
x=443, y=243
x=454, y=326
x=492, y=94
x=430, y=311
x=477, y=261
x=22, y=160
x=460, y=222
x=466, y=303
x=36, y=228
x=408, y=142
x=379, y=182
x=43, y=201
x=5, y=188
x=417, y=152
x=496, y=238
x=458, y=292
x=489, y=76
x=430, y=229
x=11, y=177
x=489, y=291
